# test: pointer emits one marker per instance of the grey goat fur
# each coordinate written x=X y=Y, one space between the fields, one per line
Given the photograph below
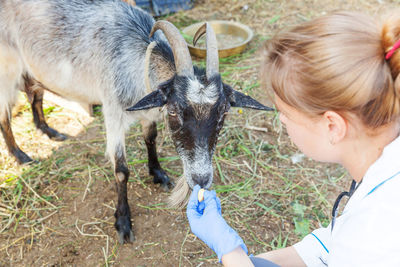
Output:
x=93 y=51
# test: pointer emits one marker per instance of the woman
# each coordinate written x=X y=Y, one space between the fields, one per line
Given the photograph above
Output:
x=336 y=83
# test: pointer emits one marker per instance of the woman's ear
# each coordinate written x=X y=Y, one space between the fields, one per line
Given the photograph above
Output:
x=336 y=126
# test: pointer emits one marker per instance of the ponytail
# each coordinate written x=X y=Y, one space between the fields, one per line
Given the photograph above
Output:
x=390 y=43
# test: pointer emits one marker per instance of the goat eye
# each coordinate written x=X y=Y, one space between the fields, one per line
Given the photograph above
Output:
x=172 y=113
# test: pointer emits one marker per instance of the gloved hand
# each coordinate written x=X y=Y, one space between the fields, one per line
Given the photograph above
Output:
x=206 y=223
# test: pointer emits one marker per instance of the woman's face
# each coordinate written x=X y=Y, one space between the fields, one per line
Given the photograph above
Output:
x=308 y=134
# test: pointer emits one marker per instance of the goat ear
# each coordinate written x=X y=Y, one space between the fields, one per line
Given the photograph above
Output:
x=238 y=99
x=154 y=99
x=157 y=98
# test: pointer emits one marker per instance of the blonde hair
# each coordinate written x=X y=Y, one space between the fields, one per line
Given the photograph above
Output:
x=337 y=62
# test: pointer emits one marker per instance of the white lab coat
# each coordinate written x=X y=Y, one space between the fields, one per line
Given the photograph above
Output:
x=368 y=231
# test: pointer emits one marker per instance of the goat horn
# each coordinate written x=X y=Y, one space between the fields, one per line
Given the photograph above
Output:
x=183 y=61
x=199 y=33
x=212 y=66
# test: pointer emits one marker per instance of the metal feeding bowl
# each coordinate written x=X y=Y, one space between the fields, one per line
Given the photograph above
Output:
x=232 y=38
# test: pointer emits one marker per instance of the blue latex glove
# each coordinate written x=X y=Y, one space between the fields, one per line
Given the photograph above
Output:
x=206 y=223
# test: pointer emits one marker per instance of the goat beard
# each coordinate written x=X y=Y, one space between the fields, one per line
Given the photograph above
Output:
x=180 y=194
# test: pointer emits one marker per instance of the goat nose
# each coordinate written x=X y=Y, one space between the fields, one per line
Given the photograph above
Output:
x=201 y=180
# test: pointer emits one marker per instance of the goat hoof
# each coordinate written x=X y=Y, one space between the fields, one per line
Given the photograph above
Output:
x=23 y=158
x=53 y=134
x=124 y=229
x=168 y=186
x=160 y=177
x=59 y=137
x=122 y=238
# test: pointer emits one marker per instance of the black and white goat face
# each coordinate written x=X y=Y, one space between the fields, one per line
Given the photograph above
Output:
x=197 y=102
x=196 y=115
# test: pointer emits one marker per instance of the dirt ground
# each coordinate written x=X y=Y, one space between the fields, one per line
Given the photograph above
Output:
x=59 y=212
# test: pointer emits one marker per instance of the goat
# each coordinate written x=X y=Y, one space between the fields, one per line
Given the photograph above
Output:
x=95 y=52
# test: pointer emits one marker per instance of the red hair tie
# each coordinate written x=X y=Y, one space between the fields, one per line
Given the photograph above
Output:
x=393 y=49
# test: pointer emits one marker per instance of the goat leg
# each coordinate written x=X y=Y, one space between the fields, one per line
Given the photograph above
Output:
x=12 y=146
x=122 y=214
x=159 y=175
x=35 y=96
